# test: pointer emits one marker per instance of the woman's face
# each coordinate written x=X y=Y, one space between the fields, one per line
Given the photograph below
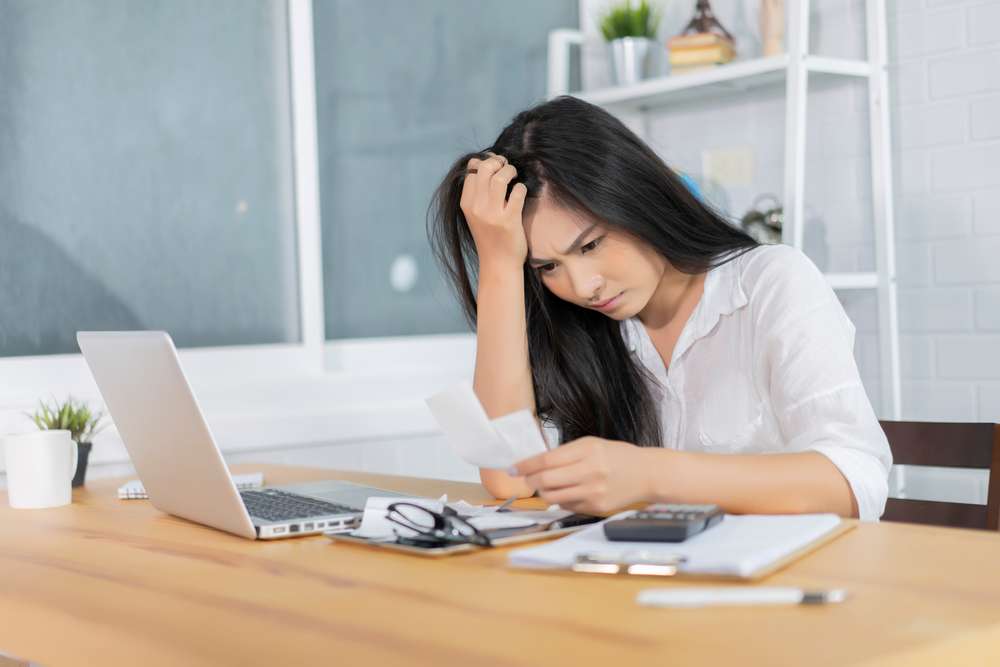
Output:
x=581 y=261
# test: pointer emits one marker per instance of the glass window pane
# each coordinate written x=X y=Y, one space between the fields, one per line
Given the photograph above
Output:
x=402 y=90
x=145 y=172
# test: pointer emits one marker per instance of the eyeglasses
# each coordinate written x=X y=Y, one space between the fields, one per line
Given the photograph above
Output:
x=430 y=527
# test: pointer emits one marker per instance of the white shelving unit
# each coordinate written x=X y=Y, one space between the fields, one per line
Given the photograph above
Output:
x=794 y=69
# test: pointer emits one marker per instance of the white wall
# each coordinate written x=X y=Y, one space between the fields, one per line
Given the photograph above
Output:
x=947 y=115
x=945 y=111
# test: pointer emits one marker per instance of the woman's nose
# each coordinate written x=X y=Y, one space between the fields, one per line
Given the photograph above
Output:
x=587 y=286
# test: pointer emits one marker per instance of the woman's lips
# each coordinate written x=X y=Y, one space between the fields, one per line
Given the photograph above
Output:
x=610 y=303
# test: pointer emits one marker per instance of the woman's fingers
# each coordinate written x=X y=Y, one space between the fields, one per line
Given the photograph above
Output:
x=563 y=455
x=515 y=204
x=485 y=199
x=558 y=478
x=485 y=170
x=484 y=203
x=469 y=184
x=499 y=182
x=567 y=497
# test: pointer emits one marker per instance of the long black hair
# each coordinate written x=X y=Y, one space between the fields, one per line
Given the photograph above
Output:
x=587 y=161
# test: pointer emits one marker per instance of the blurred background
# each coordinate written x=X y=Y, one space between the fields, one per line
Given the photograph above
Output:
x=253 y=177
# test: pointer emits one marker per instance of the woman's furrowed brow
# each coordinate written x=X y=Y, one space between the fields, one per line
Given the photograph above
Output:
x=576 y=244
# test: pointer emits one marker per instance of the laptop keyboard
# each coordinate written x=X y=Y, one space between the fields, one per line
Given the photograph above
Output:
x=275 y=505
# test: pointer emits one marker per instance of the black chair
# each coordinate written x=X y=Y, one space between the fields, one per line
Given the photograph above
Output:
x=951 y=445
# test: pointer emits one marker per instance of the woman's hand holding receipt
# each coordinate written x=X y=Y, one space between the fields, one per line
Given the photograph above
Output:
x=590 y=475
x=491 y=444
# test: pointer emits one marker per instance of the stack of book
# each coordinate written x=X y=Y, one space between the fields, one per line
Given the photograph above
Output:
x=700 y=50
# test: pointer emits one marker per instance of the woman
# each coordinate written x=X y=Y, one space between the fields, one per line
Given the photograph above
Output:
x=674 y=358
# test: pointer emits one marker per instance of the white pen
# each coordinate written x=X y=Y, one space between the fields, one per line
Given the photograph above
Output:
x=715 y=596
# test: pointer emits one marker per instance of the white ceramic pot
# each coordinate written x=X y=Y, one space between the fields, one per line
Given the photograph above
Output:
x=40 y=468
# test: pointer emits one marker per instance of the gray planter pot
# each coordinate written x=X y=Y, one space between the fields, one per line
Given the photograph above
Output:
x=632 y=59
x=83 y=449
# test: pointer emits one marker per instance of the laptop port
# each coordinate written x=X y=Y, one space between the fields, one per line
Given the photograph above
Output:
x=307 y=526
x=278 y=529
x=294 y=528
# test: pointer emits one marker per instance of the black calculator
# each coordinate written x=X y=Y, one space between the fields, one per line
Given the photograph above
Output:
x=663 y=523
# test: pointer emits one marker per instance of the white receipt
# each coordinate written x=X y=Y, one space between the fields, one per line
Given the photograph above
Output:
x=499 y=443
x=375 y=523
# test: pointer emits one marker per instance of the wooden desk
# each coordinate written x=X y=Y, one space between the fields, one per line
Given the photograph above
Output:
x=114 y=582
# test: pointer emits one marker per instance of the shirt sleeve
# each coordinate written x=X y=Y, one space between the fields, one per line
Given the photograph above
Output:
x=816 y=392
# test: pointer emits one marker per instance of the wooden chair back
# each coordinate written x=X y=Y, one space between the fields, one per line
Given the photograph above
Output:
x=952 y=445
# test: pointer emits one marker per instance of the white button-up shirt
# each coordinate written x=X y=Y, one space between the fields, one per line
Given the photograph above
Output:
x=765 y=364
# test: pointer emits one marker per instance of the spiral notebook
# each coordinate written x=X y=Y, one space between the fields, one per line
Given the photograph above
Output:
x=134 y=490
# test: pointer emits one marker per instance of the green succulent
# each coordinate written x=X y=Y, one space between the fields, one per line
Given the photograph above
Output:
x=70 y=415
x=622 y=20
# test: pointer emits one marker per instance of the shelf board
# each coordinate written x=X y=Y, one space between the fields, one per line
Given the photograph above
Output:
x=852 y=280
x=733 y=77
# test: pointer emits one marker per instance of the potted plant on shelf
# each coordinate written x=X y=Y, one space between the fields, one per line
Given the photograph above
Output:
x=75 y=417
x=631 y=36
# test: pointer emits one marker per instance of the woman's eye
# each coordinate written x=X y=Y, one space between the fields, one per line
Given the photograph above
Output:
x=590 y=246
x=546 y=268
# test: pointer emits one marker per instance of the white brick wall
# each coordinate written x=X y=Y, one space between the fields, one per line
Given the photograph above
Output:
x=988 y=309
x=970 y=260
x=964 y=74
x=946 y=108
x=986 y=212
x=945 y=111
x=986 y=118
x=984 y=24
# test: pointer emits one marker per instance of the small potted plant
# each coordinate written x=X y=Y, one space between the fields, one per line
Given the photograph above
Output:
x=75 y=417
x=631 y=35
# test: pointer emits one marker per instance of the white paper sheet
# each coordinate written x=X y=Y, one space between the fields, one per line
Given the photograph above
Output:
x=499 y=443
x=501 y=520
x=375 y=525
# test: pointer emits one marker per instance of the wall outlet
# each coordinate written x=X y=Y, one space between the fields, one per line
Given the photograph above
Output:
x=728 y=166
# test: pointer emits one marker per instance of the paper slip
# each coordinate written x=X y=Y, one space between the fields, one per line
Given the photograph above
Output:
x=499 y=521
x=499 y=443
x=740 y=545
x=134 y=490
x=486 y=517
x=375 y=524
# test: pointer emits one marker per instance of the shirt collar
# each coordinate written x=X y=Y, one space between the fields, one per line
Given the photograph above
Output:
x=723 y=295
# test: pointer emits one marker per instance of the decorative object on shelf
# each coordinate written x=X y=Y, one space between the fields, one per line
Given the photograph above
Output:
x=772 y=27
x=703 y=43
x=75 y=417
x=631 y=37
x=764 y=225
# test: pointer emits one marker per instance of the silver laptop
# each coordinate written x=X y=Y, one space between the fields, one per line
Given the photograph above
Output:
x=178 y=461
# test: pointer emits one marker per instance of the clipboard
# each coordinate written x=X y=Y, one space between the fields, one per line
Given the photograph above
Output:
x=583 y=553
x=499 y=538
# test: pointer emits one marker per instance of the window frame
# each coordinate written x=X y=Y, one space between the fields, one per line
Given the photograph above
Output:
x=414 y=360
x=313 y=353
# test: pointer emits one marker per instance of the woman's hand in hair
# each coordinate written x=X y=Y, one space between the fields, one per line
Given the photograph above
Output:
x=494 y=220
x=590 y=475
